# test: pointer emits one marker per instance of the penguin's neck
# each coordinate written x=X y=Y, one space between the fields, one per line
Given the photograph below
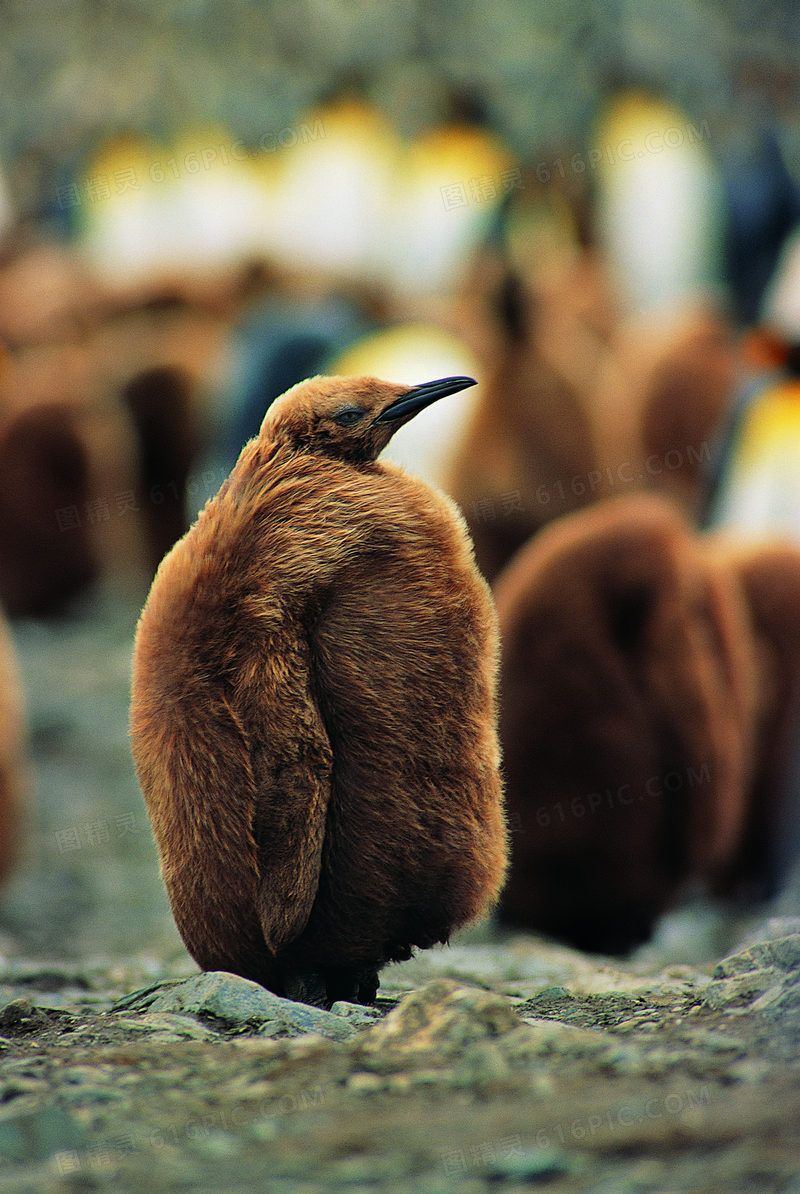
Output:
x=297 y=519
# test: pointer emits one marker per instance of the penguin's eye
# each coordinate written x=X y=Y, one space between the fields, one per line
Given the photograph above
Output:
x=348 y=416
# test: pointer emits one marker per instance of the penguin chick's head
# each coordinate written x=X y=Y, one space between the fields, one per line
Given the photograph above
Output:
x=352 y=418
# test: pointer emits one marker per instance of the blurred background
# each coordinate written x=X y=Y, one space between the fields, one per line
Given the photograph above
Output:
x=591 y=208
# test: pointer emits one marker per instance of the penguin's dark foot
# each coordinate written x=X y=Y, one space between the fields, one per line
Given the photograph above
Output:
x=353 y=986
x=341 y=984
x=306 y=987
x=368 y=987
x=334 y=984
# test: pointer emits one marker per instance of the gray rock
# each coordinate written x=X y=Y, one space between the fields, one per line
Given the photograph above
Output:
x=216 y=1145
x=528 y=1165
x=442 y=1018
x=750 y=1071
x=762 y=977
x=782 y=1000
x=781 y=953
x=87 y=1085
x=89 y=1096
x=167 y=1026
x=20 y=1086
x=356 y=1013
x=552 y=1038
x=234 y=1002
x=786 y=952
x=553 y=993
x=591 y=1010
x=20 y=1015
x=745 y=961
x=741 y=989
x=362 y=1082
x=479 y=1041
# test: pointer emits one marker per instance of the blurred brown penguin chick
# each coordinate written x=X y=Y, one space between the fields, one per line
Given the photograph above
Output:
x=313 y=705
x=769 y=574
x=528 y=455
x=664 y=391
x=13 y=739
x=160 y=403
x=47 y=555
x=628 y=690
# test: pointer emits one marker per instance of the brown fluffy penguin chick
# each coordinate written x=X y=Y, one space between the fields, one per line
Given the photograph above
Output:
x=13 y=750
x=769 y=574
x=313 y=705
x=628 y=691
x=46 y=471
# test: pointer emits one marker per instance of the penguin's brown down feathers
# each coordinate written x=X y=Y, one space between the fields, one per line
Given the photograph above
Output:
x=13 y=750
x=313 y=707
x=629 y=693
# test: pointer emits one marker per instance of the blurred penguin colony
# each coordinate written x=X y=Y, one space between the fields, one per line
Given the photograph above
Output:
x=628 y=465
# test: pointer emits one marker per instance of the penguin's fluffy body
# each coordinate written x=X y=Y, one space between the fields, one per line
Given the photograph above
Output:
x=313 y=707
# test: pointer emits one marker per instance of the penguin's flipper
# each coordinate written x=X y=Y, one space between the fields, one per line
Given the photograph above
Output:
x=289 y=820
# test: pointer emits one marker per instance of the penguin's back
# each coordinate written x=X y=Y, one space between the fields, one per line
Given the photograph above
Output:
x=404 y=655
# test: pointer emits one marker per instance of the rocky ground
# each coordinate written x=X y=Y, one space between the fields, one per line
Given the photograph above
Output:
x=498 y=1062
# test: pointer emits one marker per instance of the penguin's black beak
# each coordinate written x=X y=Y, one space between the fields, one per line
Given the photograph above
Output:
x=421 y=396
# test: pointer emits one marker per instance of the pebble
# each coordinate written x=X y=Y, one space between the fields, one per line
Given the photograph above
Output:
x=482 y=1067
x=448 y=1037
x=750 y=1071
x=15 y=1088
x=528 y=1165
x=89 y=1095
x=21 y=1015
x=362 y=1082
x=549 y=1037
x=356 y=1013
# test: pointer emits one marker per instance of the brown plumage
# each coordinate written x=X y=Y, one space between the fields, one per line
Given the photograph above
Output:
x=769 y=575
x=663 y=393
x=528 y=449
x=13 y=750
x=629 y=685
x=46 y=474
x=313 y=717
x=160 y=404
x=578 y=406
